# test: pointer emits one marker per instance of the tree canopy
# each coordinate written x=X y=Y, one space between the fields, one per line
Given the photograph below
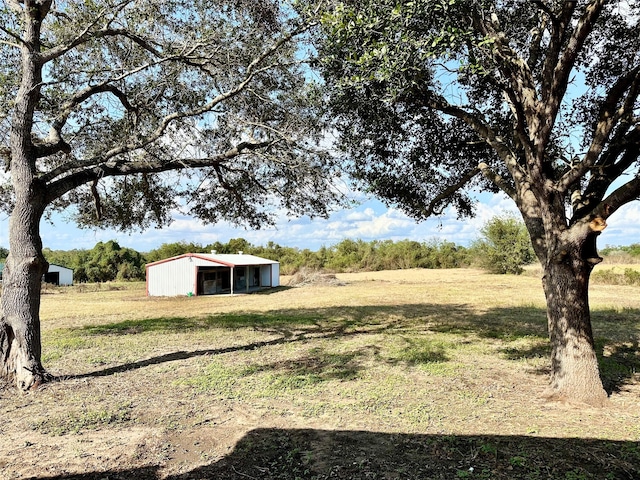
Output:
x=148 y=108
x=435 y=99
x=428 y=94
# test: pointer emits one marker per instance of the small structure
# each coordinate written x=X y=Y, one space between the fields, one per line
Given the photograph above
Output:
x=56 y=275
x=209 y=274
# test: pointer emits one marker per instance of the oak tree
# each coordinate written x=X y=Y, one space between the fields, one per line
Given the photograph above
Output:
x=436 y=99
x=122 y=112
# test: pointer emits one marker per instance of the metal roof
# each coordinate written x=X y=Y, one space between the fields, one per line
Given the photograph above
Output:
x=228 y=259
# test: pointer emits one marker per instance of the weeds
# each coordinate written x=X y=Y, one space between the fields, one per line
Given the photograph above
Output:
x=630 y=276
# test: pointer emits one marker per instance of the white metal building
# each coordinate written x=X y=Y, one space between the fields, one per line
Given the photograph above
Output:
x=208 y=274
x=58 y=275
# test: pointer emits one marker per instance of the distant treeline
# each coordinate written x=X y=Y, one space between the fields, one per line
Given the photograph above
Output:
x=108 y=261
x=630 y=252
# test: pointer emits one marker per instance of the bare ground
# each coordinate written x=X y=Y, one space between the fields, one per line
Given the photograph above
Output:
x=322 y=398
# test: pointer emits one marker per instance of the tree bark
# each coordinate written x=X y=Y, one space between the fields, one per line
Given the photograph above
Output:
x=20 y=347
x=20 y=344
x=575 y=374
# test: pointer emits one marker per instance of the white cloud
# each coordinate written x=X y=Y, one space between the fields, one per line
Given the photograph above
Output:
x=369 y=224
x=353 y=216
x=623 y=227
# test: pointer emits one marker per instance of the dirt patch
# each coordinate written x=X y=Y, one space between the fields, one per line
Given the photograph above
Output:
x=275 y=453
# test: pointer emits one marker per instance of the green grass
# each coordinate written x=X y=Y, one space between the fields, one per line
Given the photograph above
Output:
x=216 y=378
x=421 y=350
x=182 y=324
x=75 y=422
x=432 y=338
x=407 y=374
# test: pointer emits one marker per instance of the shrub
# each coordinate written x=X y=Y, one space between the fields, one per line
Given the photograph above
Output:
x=505 y=246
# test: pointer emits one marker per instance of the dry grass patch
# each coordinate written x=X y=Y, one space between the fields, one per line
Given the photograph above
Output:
x=403 y=374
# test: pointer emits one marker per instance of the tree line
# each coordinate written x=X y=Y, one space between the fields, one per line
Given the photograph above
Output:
x=503 y=247
x=109 y=261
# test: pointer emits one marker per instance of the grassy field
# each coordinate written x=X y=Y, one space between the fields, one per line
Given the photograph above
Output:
x=414 y=374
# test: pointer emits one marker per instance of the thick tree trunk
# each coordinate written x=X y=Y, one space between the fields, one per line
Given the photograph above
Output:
x=20 y=347
x=575 y=375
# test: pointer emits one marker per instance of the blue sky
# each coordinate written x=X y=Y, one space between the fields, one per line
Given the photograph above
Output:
x=371 y=220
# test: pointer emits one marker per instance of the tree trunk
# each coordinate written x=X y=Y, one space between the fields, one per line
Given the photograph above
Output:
x=575 y=375
x=20 y=347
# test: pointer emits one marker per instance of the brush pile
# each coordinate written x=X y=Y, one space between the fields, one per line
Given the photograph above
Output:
x=307 y=276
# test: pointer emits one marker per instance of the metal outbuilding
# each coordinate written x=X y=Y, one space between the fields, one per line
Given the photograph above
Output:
x=56 y=275
x=209 y=274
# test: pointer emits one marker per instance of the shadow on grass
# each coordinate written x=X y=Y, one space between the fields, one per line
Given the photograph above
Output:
x=267 y=454
x=617 y=333
x=182 y=324
x=184 y=355
x=315 y=367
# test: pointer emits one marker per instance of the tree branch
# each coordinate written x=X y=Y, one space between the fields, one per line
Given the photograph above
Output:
x=434 y=207
x=603 y=176
x=580 y=34
x=54 y=142
x=519 y=88
x=15 y=5
x=12 y=35
x=558 y=32
x=556 y=80
x=628 y=192
x=542 y=6
x=497 y=180
x=51 y=145
x=252 y=70
x=96 y=199
x=92 y=172
x=480 y=127
x=84 y=36
x=484 y=132
x=626 y=150
x=536 y=40
x=610 y=115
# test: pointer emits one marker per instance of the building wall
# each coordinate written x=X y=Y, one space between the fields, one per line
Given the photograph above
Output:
x=178 y=276
x=265 y=275
x=172 y=278
x=275 y=275
x=65 y=274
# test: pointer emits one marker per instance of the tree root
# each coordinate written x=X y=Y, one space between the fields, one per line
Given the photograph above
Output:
x=37 y=377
